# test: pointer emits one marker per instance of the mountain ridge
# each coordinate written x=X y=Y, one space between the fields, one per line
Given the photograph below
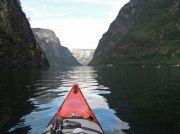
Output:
x=57 y=54
x=18 y=47
x=144 y=32
x=84 y=56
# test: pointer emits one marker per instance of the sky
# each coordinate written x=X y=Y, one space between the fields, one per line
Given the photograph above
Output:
x=77 y=23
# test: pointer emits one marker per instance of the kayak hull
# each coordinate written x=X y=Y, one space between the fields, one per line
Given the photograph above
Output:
x=76 y=114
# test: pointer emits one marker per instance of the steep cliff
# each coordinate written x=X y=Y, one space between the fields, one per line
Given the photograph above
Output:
x=144 y=32
x=18 y=47
x=84 y=56
x=55 y=52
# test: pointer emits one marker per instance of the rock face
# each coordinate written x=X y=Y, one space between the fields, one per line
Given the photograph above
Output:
x=18 y=47
x=55 y=52
x=144 y=32
x=84 y=56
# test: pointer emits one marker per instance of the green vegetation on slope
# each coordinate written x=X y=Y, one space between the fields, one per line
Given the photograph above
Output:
x=152 y=39
x=18 y=47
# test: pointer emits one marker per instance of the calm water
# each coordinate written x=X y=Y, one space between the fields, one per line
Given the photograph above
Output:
x=126 y=100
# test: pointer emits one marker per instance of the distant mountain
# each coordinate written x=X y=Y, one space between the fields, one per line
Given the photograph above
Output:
x=84 y=56
x=18 y=47
x=144 y=32
x=55 y=52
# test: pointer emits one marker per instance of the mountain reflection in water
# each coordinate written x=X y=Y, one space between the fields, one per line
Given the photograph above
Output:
x=125 y=100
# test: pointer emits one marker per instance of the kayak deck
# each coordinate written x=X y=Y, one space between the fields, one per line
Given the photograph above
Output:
x=74 y=116
x=71 y=126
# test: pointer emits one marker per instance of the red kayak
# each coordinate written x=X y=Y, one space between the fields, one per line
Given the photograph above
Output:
x=74 y=116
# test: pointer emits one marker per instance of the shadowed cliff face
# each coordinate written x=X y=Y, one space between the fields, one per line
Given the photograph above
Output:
x=144 y=32
x=18 y=47
x=56 y=54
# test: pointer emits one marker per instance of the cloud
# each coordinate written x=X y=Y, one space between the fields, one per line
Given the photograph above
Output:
x=84 y=33
x=39 y=12
x=92 y=1
x=116 y=6
x=108 y=2
x=78 y=23
x=72 y=8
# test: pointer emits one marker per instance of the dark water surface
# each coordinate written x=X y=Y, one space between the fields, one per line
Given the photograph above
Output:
x=125 y=100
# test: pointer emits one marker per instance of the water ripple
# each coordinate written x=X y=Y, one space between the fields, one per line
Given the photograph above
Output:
x=51 y=88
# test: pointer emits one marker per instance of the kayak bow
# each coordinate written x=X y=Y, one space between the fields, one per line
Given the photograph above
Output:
x=74 y=116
